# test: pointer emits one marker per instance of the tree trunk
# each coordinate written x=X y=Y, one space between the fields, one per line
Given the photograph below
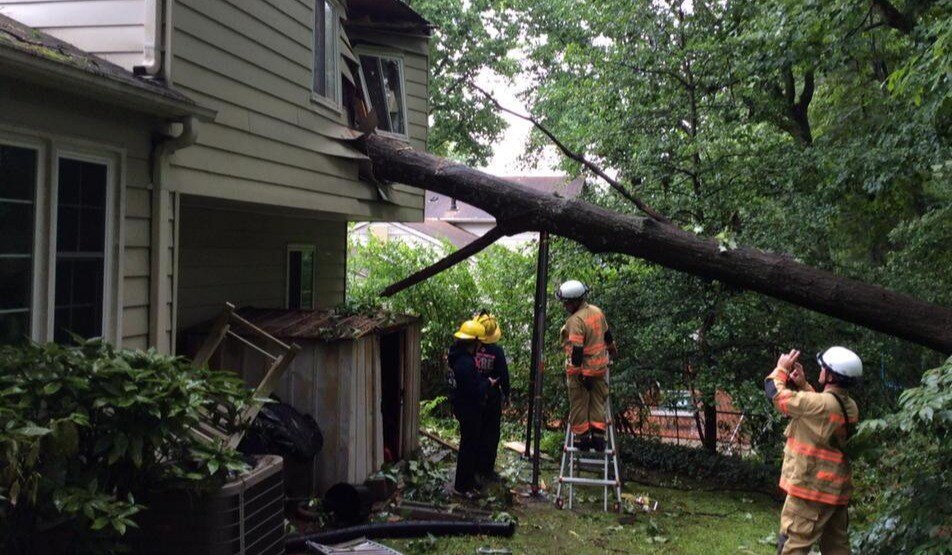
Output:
x=710 y=426
x=518 y=209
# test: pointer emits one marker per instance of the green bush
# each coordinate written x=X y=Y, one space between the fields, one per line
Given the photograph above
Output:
x=698 y=463
x=86 y=429
x=904 y=493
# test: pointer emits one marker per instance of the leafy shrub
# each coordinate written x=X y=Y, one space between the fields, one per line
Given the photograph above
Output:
x=904 y=500
x=85 y=430
x=697 y=463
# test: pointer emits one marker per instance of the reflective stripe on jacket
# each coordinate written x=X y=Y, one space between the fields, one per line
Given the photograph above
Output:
x=814 y=466
x=586 y=328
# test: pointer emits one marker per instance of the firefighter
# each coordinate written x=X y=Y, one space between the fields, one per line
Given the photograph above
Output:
x=588 y=343
x=491 y=362
x=816 y=471
x=468 y=395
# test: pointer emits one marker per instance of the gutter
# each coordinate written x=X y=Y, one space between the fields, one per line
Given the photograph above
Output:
x=152 y=46
x=161 y=265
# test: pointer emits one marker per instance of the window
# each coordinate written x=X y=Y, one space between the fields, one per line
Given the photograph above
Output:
x=80 y=249
x=326 y=52
x=18 y=178
x=301 y=276
x=384 y=84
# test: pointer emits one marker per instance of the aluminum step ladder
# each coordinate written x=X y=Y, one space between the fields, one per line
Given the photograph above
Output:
x=605 y=464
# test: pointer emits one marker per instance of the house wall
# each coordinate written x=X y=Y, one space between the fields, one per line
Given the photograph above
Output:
x=112 y=29
x=61 y=121
x=270 y=143
x=239 y=256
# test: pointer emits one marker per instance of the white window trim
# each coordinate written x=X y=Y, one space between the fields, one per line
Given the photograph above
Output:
x=110 y=309
x=50 y=148
x=383 y=53
x=299 y=247
x=337 y=102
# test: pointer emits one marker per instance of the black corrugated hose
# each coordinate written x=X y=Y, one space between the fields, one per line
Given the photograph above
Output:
x=403 y=529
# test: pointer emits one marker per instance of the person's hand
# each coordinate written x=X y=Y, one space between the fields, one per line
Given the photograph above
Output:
x=505 y=403
x=798 y=376
x=788 y=360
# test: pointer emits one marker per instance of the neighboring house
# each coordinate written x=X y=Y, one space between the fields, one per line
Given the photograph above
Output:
x=461 y=223
x=209 y=162
x=161 y=157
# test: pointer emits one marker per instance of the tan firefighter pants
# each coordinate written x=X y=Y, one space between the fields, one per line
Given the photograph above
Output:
x=587 y=405
x=804 y=523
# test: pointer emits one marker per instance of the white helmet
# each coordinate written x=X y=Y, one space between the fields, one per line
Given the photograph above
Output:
x=571 y=290
x=841 y=361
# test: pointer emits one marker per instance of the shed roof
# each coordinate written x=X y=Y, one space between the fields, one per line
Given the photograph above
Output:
x=325 y=325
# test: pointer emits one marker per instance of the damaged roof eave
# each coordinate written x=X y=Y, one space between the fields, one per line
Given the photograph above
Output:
x=22 y=65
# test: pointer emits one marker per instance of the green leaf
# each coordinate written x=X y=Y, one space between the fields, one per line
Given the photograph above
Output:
x=31 y=431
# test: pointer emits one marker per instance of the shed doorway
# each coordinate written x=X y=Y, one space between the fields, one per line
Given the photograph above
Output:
x=392 y=394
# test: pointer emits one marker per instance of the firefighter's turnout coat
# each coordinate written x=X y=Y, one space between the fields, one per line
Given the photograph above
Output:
x=814 y=464
x=586 y=328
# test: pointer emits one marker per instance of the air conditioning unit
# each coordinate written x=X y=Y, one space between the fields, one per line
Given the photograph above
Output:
x=244 y=517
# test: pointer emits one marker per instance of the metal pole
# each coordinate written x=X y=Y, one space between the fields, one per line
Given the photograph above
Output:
x=538 y=347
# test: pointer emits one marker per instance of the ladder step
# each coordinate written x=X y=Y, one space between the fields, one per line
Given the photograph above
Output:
x=598 y=462
x=589 y=481
x=606 y=452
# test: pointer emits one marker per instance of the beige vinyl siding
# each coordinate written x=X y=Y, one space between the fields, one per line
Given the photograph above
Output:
x=270 y=143
x=75 y=122
x=224 y=259
x=112 y=29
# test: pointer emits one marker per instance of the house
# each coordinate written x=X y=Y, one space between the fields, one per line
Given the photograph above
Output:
x=161 y=157
x=212 y=137
x=460 y=223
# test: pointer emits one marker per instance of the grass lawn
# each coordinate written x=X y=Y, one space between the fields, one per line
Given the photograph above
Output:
x=686 y=522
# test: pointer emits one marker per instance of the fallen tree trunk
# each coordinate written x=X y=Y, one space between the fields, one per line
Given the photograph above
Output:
x=519 y=209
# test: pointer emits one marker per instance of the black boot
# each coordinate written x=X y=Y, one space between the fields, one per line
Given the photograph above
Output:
x=598 y=441
x=583 y=442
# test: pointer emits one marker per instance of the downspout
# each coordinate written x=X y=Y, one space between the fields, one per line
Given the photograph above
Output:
x=152 y=45
x=161 y=263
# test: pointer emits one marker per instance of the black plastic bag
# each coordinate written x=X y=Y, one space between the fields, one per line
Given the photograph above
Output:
x=280 y=429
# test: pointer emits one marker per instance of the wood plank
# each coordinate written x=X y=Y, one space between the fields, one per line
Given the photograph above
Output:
x=135 y=262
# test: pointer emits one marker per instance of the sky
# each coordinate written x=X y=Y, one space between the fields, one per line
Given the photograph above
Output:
x=512 y=146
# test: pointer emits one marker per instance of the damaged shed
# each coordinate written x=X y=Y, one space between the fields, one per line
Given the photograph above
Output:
x=357 y=375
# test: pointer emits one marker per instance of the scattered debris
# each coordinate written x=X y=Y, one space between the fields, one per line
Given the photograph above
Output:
x=520 y=447
x=362 y=546
x=439 y=440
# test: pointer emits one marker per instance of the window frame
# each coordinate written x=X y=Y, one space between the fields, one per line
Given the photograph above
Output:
x=302 y=248
x=112 y=225
x=50 y=148
x=334 y=102
x=40 y=199
x=381 y=54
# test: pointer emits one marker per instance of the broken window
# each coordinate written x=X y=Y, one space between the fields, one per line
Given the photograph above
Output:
x=384 y=79
x=18 y=173
x=301 y=276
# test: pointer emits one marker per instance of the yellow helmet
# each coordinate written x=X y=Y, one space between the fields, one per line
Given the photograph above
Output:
x=493 y=332
x=470 y=329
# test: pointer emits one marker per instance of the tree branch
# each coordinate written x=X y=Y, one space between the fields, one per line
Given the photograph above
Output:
x=447 y=262
x=893 y=17
x=618 y=187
